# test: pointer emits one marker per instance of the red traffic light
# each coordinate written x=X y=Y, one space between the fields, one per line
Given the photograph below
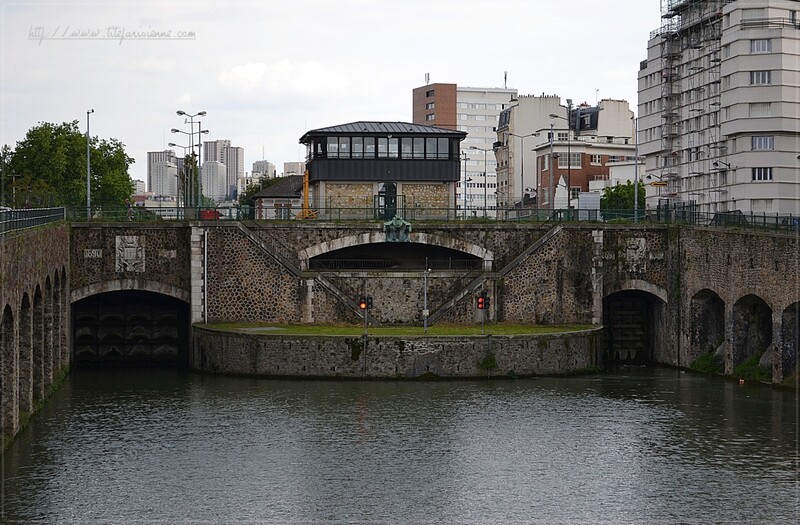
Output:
x=481 y=302
x=362 y=304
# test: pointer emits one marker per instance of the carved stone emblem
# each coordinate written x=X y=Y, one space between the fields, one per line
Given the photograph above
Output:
x=636 y=255
x=130 y=253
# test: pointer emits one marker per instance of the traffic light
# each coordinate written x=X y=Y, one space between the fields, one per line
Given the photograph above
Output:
x=365 y=303
x=486 y=301
x=482 y=301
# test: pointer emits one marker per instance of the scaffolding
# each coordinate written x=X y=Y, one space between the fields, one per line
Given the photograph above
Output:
x=691 y=142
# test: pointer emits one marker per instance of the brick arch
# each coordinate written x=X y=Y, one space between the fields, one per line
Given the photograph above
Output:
x=638 y=284
x=117 y=285
x=375 y=237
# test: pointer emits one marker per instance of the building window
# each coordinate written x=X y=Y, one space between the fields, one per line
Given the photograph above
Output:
x=405 y=148
x=429 y=93
x=430 y=105
x=574 y=160
x=369 y=147
x=761 y=205
x=761 y=45
x=760 y=109
x=761 y=174
x=758 y=78
x=763 y=142
x=562 y=136
x=597 y=159
x=430 y=116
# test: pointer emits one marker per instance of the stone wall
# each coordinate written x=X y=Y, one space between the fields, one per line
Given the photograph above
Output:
x=394 y=357
x=348 y=195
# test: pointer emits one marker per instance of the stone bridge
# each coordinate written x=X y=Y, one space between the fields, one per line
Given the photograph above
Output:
x=664 y=294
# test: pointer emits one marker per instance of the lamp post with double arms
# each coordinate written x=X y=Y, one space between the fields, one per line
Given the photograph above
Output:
x=522 y=164
x=191 y=117
x=88 y=170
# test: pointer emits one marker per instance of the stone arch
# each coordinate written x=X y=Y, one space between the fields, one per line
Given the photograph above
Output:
x=130 y=326
x=378 y=236
x=707 y=327
x=750 y=330
x=118 y=285
x=65 y=351
x=790 y=335
x=58 y=326
x=634 y=324
x=26 y=355
x=38 y=345
x=9 y=415
x=638 y=285
x=49 y=351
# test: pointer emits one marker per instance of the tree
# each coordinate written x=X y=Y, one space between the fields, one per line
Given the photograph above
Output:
x=620 y=198
x=51 y=161
x=264 y=182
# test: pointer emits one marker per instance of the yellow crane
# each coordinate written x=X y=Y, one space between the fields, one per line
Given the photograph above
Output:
x=307 y=212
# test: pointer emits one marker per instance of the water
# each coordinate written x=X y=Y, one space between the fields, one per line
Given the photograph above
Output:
x=639 y=446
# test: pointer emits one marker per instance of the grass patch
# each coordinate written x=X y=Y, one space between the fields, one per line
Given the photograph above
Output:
x=709 y=363
x=750 y=369
x=433 y=331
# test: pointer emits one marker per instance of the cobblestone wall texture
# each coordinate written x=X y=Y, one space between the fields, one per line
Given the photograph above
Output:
x=426 y=195
x=348 y=195
x=394 y=357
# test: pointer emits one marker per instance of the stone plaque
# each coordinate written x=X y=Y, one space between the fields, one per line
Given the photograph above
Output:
x=130 y=253
x=636 y=254
x=93 y=253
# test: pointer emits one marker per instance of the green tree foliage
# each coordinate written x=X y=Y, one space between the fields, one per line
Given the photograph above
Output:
x=51 y=161
x=619 y=198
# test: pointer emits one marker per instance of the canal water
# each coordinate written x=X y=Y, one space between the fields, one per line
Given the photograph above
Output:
x=639 y=446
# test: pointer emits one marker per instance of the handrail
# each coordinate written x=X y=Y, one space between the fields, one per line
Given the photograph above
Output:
x=21 y=219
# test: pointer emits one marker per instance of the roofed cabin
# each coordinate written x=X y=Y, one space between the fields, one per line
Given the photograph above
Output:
x=376 y=170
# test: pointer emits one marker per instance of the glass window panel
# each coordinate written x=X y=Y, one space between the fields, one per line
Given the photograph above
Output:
x=344 y=147
x=333 y=148
x=358 y=148
x=369 y=147
x=419 y=148
x=406 y=148
x=430 y=148
x=443 y=149
x=383 y=147
x=393 y=146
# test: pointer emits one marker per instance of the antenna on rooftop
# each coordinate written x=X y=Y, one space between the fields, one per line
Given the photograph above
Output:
x=427 y=78
x=505 y=79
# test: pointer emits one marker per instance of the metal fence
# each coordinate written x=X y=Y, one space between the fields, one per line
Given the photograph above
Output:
x=21 y=219
x=685 y=214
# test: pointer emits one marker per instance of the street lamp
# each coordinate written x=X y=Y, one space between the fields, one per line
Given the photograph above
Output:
x=522 y=163
x=464 y=186
x=88 y=170
x=191 y=117
x=425 y=311
x=569 y=152
x=484 y=177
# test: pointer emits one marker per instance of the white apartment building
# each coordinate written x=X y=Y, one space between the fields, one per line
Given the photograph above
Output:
x=215 y=150
x=164 y=179
x=537 y=128
x=264 y=167
x=214 y=180
x=719 y=106
x=234 y=164
x=294 y=168
x=154 y=158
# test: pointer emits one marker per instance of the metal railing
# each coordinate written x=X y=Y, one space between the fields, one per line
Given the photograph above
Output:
x=677 y=213
x=22 y=219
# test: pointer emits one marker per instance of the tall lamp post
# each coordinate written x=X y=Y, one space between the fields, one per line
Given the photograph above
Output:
x=464 y=186
x=88 y=170
x=191 y=117
x=198 y=196
x=485 y=177
x=522 y=164
x=180 y=181
x=569 y=152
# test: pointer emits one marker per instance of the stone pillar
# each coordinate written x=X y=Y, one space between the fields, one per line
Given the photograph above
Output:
x=26 y=359
x=308 y=303
x=9 y=377
x=597 y=277
x=49 y=350
x=196 y=274
x=778 y=347
x=38 y=349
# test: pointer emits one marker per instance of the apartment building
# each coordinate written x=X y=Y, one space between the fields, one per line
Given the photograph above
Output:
x=719 y=106
x=475 y=111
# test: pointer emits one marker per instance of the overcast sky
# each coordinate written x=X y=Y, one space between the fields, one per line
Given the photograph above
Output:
x=265 y=72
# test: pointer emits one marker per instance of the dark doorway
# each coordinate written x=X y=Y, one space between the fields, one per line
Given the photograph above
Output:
x=131 y=327
x=629 y=331
x=387 y=200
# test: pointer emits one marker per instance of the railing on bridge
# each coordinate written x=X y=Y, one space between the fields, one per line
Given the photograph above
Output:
x=674 y=214
x=21 y=219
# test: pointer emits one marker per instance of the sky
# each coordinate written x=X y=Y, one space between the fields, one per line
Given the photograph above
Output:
x=267 y=71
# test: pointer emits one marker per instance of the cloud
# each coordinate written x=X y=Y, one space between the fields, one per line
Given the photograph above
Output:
x=285 y=78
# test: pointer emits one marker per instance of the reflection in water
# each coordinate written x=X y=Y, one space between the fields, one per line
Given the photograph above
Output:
x=640 y=446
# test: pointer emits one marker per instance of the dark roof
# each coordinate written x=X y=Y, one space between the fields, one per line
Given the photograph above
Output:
x=289 y=187
x=382 y=128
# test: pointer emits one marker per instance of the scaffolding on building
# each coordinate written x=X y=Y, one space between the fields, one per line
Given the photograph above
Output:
x=692 y=146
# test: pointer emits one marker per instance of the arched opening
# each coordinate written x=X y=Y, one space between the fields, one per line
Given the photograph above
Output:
x=630 y=329
x=131 y=328
x=49 y=351
x=8 y=383
x=38 y=345
x=26 y=355
x=790 y=335
x=707 y=332
x=751 y=335
x=404 y=256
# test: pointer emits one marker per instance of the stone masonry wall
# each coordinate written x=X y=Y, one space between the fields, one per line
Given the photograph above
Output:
x=393 y=357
